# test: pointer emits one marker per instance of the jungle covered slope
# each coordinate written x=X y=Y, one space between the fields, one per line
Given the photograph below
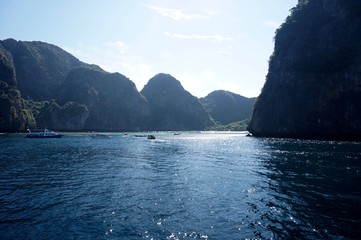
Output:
x=313 y=86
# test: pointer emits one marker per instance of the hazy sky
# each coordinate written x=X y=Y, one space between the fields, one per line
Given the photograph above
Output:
x=206 y=44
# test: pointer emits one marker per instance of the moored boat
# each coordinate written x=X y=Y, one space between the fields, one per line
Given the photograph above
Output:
x=42 y=133
x=150 y=137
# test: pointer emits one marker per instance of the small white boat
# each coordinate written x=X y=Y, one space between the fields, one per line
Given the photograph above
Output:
x=42 y=133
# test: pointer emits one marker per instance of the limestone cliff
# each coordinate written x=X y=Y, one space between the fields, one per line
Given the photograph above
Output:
x=313 y=86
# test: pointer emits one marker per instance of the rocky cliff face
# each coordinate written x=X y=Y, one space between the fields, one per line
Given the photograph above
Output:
x=13 y=113
x=313 y=87
x=172 y=107
x=226 y=107
x=109 y=99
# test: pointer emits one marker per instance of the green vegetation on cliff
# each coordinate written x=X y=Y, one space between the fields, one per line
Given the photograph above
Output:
x=14 y=115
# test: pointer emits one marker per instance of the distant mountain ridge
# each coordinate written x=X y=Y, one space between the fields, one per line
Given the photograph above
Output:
x=42 y=85
x=226 y=107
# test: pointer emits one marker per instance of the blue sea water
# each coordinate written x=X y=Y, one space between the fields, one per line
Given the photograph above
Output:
x=191 y=186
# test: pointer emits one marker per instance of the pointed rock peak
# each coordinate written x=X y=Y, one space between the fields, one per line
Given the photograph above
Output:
x=163 y=81
x=163 y=77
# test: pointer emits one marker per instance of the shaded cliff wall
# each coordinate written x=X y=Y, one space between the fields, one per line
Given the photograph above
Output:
x=313 y=87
